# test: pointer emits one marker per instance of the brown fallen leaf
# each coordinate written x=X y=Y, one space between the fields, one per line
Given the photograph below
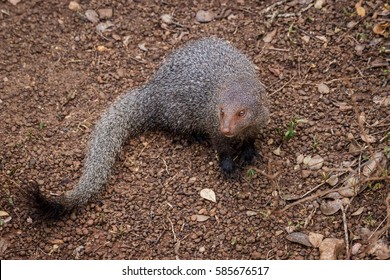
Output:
x=269 y=37
x=368 y=138
x=359 y=9
x=381 y=29
x=372 y=164
x=380 y=249
x=382 y=101
x=358 y=212
x=299 y=237
x=330 y=207
x=208 y=194
x=322 y=88
x=202 y=218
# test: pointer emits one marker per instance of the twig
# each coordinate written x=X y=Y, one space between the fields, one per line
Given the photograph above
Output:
x=172 y=229
x=308 y=34
x=310 y=217
x=313 y=189
x=166 y=166
x=266 y=10
x=279 y=89
x=343 y=210
x=279 y=50
x=312 y=197
x=284 y=15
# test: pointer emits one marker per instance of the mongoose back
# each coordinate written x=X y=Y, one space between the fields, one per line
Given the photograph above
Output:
x=204 y=88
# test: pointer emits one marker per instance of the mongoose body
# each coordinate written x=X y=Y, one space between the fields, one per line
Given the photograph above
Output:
x=205 y=88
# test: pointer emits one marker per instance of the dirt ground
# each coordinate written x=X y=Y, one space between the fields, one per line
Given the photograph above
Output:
x=327 y=75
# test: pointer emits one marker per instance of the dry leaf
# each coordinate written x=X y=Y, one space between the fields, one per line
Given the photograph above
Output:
x=380 y=249
x=382 y=101
x=167 y=18
x=277 y=151
x=379 y=62
x=268 y=38
x=306 y=160
x=322 y=38
x=74 y=6
x=381 y=29
x=333 y=180
x=3 y=214
x=299 y=237
x=142 y=47
x=202 y=218
x=251 y=213
x=322 y=88
x=14 y=2
x=330 y=207
x=318 y=4
x=305 y=38
x=358 y=212
x=333 y=195
x=208 y=194
x=105 y=26
x=359 y=9
x=101 y=48
x=300 y=158
x=92 y=16
x=372 y=164
x=352 y=187
x=355 y=248
x=315 y=162
x=56 y=241
x=3 y=246
x=368 y=138
x=289 y=197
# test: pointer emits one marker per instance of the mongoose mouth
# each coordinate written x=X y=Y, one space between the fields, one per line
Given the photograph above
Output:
x=229 y=134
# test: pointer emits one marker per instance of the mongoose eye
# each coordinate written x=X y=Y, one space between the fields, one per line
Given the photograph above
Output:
x=221 y=112
x=241 y=113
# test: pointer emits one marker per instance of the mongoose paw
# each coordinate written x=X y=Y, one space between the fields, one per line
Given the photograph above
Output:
x=227 y=166
x=248 y=155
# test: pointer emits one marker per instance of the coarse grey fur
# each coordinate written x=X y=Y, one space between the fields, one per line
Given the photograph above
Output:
x=186 y=96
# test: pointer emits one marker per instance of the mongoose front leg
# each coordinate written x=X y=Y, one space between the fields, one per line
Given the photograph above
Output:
x=248 y=151
x=226 y=154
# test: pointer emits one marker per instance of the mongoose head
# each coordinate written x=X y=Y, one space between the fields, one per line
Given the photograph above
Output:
x=242 y=105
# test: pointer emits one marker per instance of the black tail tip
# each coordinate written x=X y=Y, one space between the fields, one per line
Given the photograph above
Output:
x=44 y=208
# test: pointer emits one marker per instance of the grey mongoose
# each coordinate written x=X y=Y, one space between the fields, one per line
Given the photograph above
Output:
x=204 y=88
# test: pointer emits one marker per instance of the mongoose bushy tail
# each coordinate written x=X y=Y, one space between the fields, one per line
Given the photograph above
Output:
x=205 y=88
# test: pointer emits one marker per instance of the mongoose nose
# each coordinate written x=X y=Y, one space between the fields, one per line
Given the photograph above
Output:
x=226 y=131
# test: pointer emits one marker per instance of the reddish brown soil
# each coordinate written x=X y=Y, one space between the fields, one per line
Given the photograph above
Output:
x=56 y=79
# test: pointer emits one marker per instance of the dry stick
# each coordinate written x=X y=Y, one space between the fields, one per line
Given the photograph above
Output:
x=310 y=217
x=312 y=197
x=173 y=230
x=282 y=86
x=343 y=210
x=266 y=10
x=363 y=131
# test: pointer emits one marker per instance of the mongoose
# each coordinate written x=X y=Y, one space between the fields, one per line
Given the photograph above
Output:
x=205 y=88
